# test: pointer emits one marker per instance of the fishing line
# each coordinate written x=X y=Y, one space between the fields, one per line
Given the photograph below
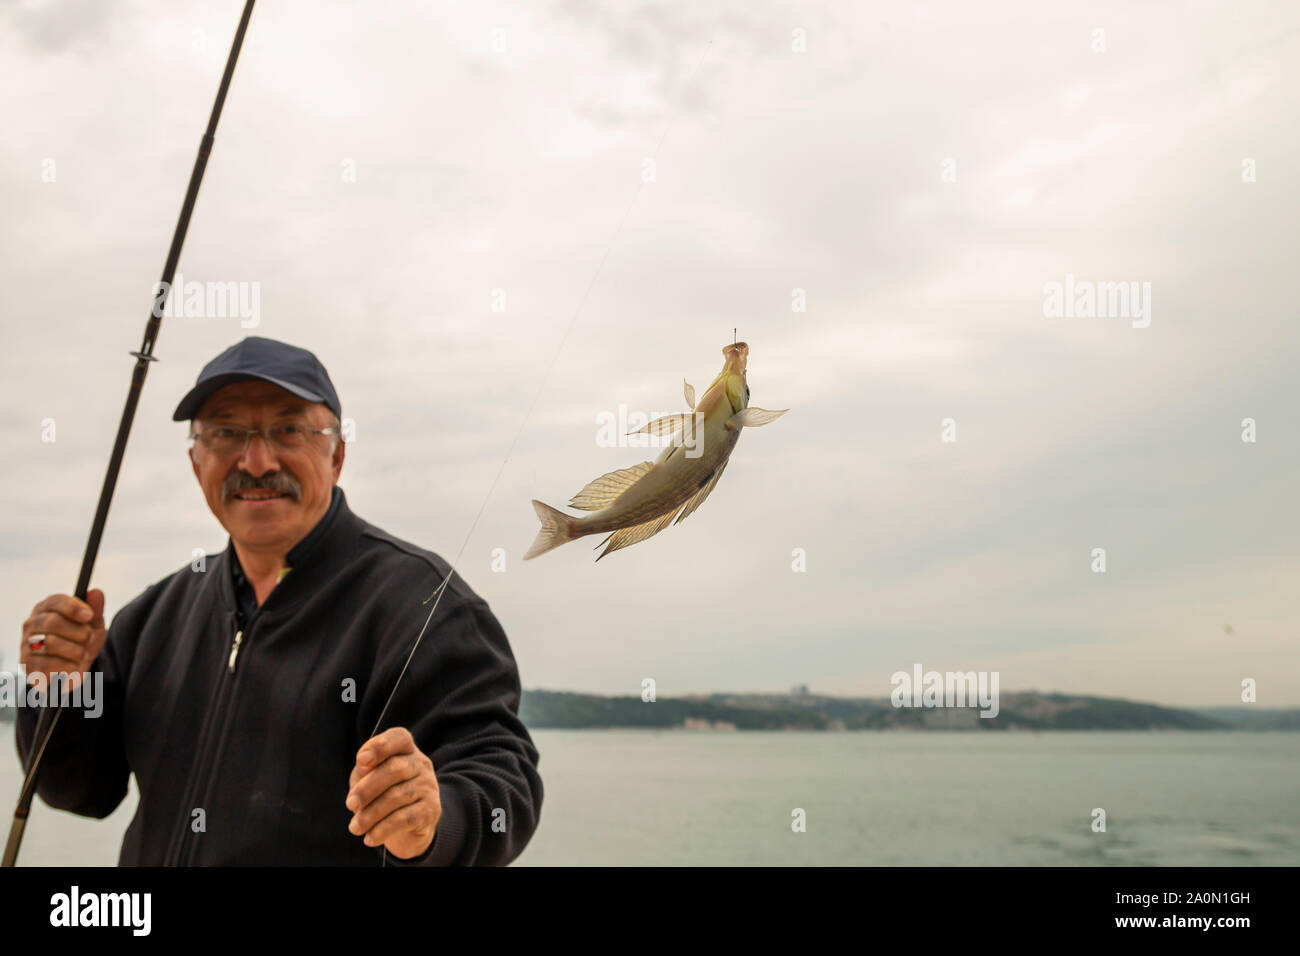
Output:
x=438 y=592
x=441 y=589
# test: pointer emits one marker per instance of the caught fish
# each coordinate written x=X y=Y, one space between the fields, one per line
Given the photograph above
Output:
x=633 y=504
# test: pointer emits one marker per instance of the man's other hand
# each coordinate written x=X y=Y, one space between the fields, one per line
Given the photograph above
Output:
x=393 y=794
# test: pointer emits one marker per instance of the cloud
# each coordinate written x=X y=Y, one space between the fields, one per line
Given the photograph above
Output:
x=515 y=175
x=50 y=27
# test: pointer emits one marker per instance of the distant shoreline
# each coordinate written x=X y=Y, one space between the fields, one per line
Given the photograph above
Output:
x=1018 y=711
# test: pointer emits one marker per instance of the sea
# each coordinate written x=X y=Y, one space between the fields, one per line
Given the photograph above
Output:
x=717 y=798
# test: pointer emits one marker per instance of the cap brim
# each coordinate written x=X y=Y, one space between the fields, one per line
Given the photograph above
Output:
x=194 y=399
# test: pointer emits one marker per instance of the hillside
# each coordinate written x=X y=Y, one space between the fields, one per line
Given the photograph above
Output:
x=1019 y=711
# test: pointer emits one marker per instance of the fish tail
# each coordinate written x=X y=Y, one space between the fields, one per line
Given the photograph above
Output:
x=557 y=529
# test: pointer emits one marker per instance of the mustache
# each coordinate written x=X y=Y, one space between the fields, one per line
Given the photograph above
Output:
x=279 y=481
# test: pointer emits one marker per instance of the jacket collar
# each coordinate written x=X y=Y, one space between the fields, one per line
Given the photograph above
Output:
x=326 y=547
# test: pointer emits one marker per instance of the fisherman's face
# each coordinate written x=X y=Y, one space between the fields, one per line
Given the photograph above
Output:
x=302 y=478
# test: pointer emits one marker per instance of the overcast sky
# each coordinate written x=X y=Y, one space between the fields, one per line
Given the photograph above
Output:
x=920 y=171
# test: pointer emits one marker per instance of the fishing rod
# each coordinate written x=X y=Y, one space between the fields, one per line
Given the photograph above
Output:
x=49 y=718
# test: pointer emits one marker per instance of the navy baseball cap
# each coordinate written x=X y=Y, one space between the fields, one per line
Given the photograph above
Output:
x=295 y=370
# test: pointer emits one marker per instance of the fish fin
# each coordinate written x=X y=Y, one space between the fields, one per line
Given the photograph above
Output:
x=690 y=394
x=557 y=529
x=603 y=491
x=668 y=425
x=637 y=532
x=699 y=496
x=753 y=416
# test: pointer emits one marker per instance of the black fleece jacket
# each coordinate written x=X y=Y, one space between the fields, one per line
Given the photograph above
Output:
x=265 y=750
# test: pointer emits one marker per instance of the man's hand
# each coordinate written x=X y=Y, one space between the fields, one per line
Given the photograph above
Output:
x=394 y=794
x=68 y=636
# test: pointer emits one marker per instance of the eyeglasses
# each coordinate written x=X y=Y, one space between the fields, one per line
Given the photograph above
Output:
x=226 y=440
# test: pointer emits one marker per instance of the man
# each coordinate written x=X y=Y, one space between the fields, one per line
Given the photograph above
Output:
x=243 y=692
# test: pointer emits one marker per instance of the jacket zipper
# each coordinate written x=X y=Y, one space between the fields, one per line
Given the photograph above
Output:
x=225 y=690
x=176 y=848
x=234 y=650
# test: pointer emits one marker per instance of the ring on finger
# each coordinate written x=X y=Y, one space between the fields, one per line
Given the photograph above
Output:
x=37 y=642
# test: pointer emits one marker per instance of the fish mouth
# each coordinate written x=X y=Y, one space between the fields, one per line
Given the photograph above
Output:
x=736 y=356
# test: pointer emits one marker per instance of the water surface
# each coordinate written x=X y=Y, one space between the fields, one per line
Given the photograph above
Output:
x=670 y=797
